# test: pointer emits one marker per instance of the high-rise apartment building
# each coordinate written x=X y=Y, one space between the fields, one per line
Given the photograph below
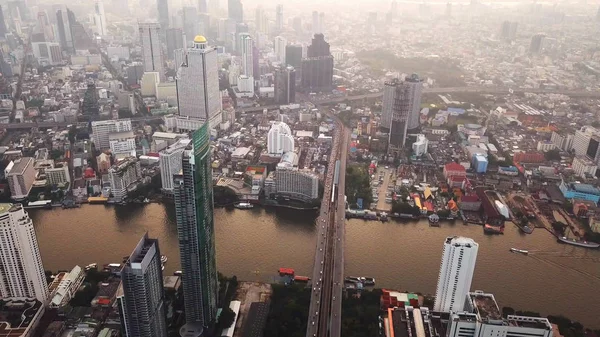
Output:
x=143 y=307
x=21 y=269
x=193 y=191
x=235 y=10
x=170 y=163
x=401 y=107
x=102 y=129
x=508 y=30
x=123 y=175
x=21 y=177
x=285 y=85
x=151 y=49
x=585 y=142
x=317 y=67
x=163 y=13
x=247 y=54
x=280 y=139
x=279 y=18
x=198 y=94
x=100 y=18
x=261 y=20
x=537 y=43
x=280 y=48
x=72 y=35
x=293 y=56
x=456 y=273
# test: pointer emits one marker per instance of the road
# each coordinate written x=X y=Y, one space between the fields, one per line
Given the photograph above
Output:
x=17 y=126
x=382 y=190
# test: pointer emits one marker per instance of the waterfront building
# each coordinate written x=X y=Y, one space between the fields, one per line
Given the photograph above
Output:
x=170 y=160
x=317 y=67
x=198 y=95
x=482 y=318
x=57 y=175
x=22 y=272
x=400 y=109
x=64 y=287
x=193 y=191
x=296 y=184
x=102 y=129
x=151 y=49
x=21 y=177
x=285 y=85
x=456 y=273
x=123 y=176
x=280 y=139
x=143 y=307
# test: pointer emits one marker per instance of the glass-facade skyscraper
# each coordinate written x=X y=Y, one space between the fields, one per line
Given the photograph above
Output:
x=193 y=193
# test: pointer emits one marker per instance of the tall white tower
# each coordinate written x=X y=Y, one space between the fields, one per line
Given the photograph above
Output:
x=280 y=139
x=151 y=49
x=247 y=45
x=198 y=94
x=280 y=43
x=21 y=272
x=100 y=18
x=456 y=273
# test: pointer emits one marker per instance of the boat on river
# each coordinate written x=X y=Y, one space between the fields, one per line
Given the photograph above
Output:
x=434 y=220
x=580 y=243
x=163 y=259
x=243 y=205
x=522 y=251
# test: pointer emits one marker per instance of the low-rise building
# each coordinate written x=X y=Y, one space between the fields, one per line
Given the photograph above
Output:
x=454 y=170
x=420 y=146
x=579 y=191
x=58 y=175
x=122 y=143
x=470 y=203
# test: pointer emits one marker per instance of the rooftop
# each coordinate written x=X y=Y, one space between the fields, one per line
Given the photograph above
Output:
x=121 y=135
x=20 y=165
x=585 y=188
x=485 y=306
x=5 y=207
x=16 y=314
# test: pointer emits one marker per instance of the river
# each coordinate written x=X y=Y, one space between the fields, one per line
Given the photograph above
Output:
x=252 y=244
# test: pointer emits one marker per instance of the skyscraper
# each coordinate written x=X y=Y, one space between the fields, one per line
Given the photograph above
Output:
x=400 y=111
x=198 y=94
x=261 y=21
x=193 y=191
x=174 y=42
x=537 y=43
x=143 y=307
x=3 y=29
x=21 y=269
x=285 y=85
x=280 y=139
x=456 y=273
x=151 y=49
x=280 y=44
x=508 y=30
x=247 y=52
x=316 y=24
x=202 y=6
x=100 y=18
x=279 y=18
x=191 y=21
x=293 y=55
x=163 y=13
x=235 y=10
x=317 y=68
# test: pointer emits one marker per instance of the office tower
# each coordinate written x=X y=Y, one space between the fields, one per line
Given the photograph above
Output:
x=235 y=10
x=280 y=44
x=456 y=273
x=102 y=129
x=21 y=176
x=247 y=52
x=280 y=139
x=241 y=31
x=198 y=94
x=151 y=49
x=400 y=109
x=202 y=6
x=100 y=18
x=191 y=22
x=279 y=18
x=143 y=307
x=508 y=31
x=322 y=23
x=261 y=20
x=293 y=55
x=174 y=42
x=21 y=269
x=537 y=43
x=193 y=191
x=3 y=29
x=163 y=13
x=317 y=68
x=316 y=27
x=72 y=35
x=213 y=8
x=44 y=27
x=448 y=9
x=285 y=85
x=47 y=53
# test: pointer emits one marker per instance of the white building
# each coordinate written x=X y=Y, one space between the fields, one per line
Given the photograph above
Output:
x=22 y=273
x=151 y=48
x=47 y=53
x=482 y=318
x=100 y=18
x=456 y=273
x=170 y=163
x=58 y=175
x=583 y=166
x=65 y=286
x=562 y=142
x=279 y=44
x=247 y=46
x=280 y=139
x=21 y=177
x=545 y=146
x=245 y=84
x=122 y=143
x=420 y=146
x=102 y=129
x=198 y=95
x=123 y=176
x=582 y=138
x=297 y=184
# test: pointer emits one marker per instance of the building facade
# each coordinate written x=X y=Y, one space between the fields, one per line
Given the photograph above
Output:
x=123 y=175
x=193 y=191
x=21 y=268
x=285 y=85
x=170 y=160
x=143 y=306
x=21 y=177
x=151 y=49
x=57 y=175
x=317 y=67
x=296 y=184
x=280 y=46
x=122 y=143
x=583 y=166
x=102 y=129
x=198 y=95
x=400 y=110
x=280 y=139
x=456 y=273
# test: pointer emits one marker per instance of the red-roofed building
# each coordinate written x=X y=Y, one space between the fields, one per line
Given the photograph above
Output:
x=528 y=157
x=457 y=181
x=470 y=203
x=454 y=170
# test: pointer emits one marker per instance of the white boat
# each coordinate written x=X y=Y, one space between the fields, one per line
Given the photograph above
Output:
x=91 y=266
x=502 y=209
x=522 y=251
x=243 y=205
x=163 y=258
x=162 y=267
